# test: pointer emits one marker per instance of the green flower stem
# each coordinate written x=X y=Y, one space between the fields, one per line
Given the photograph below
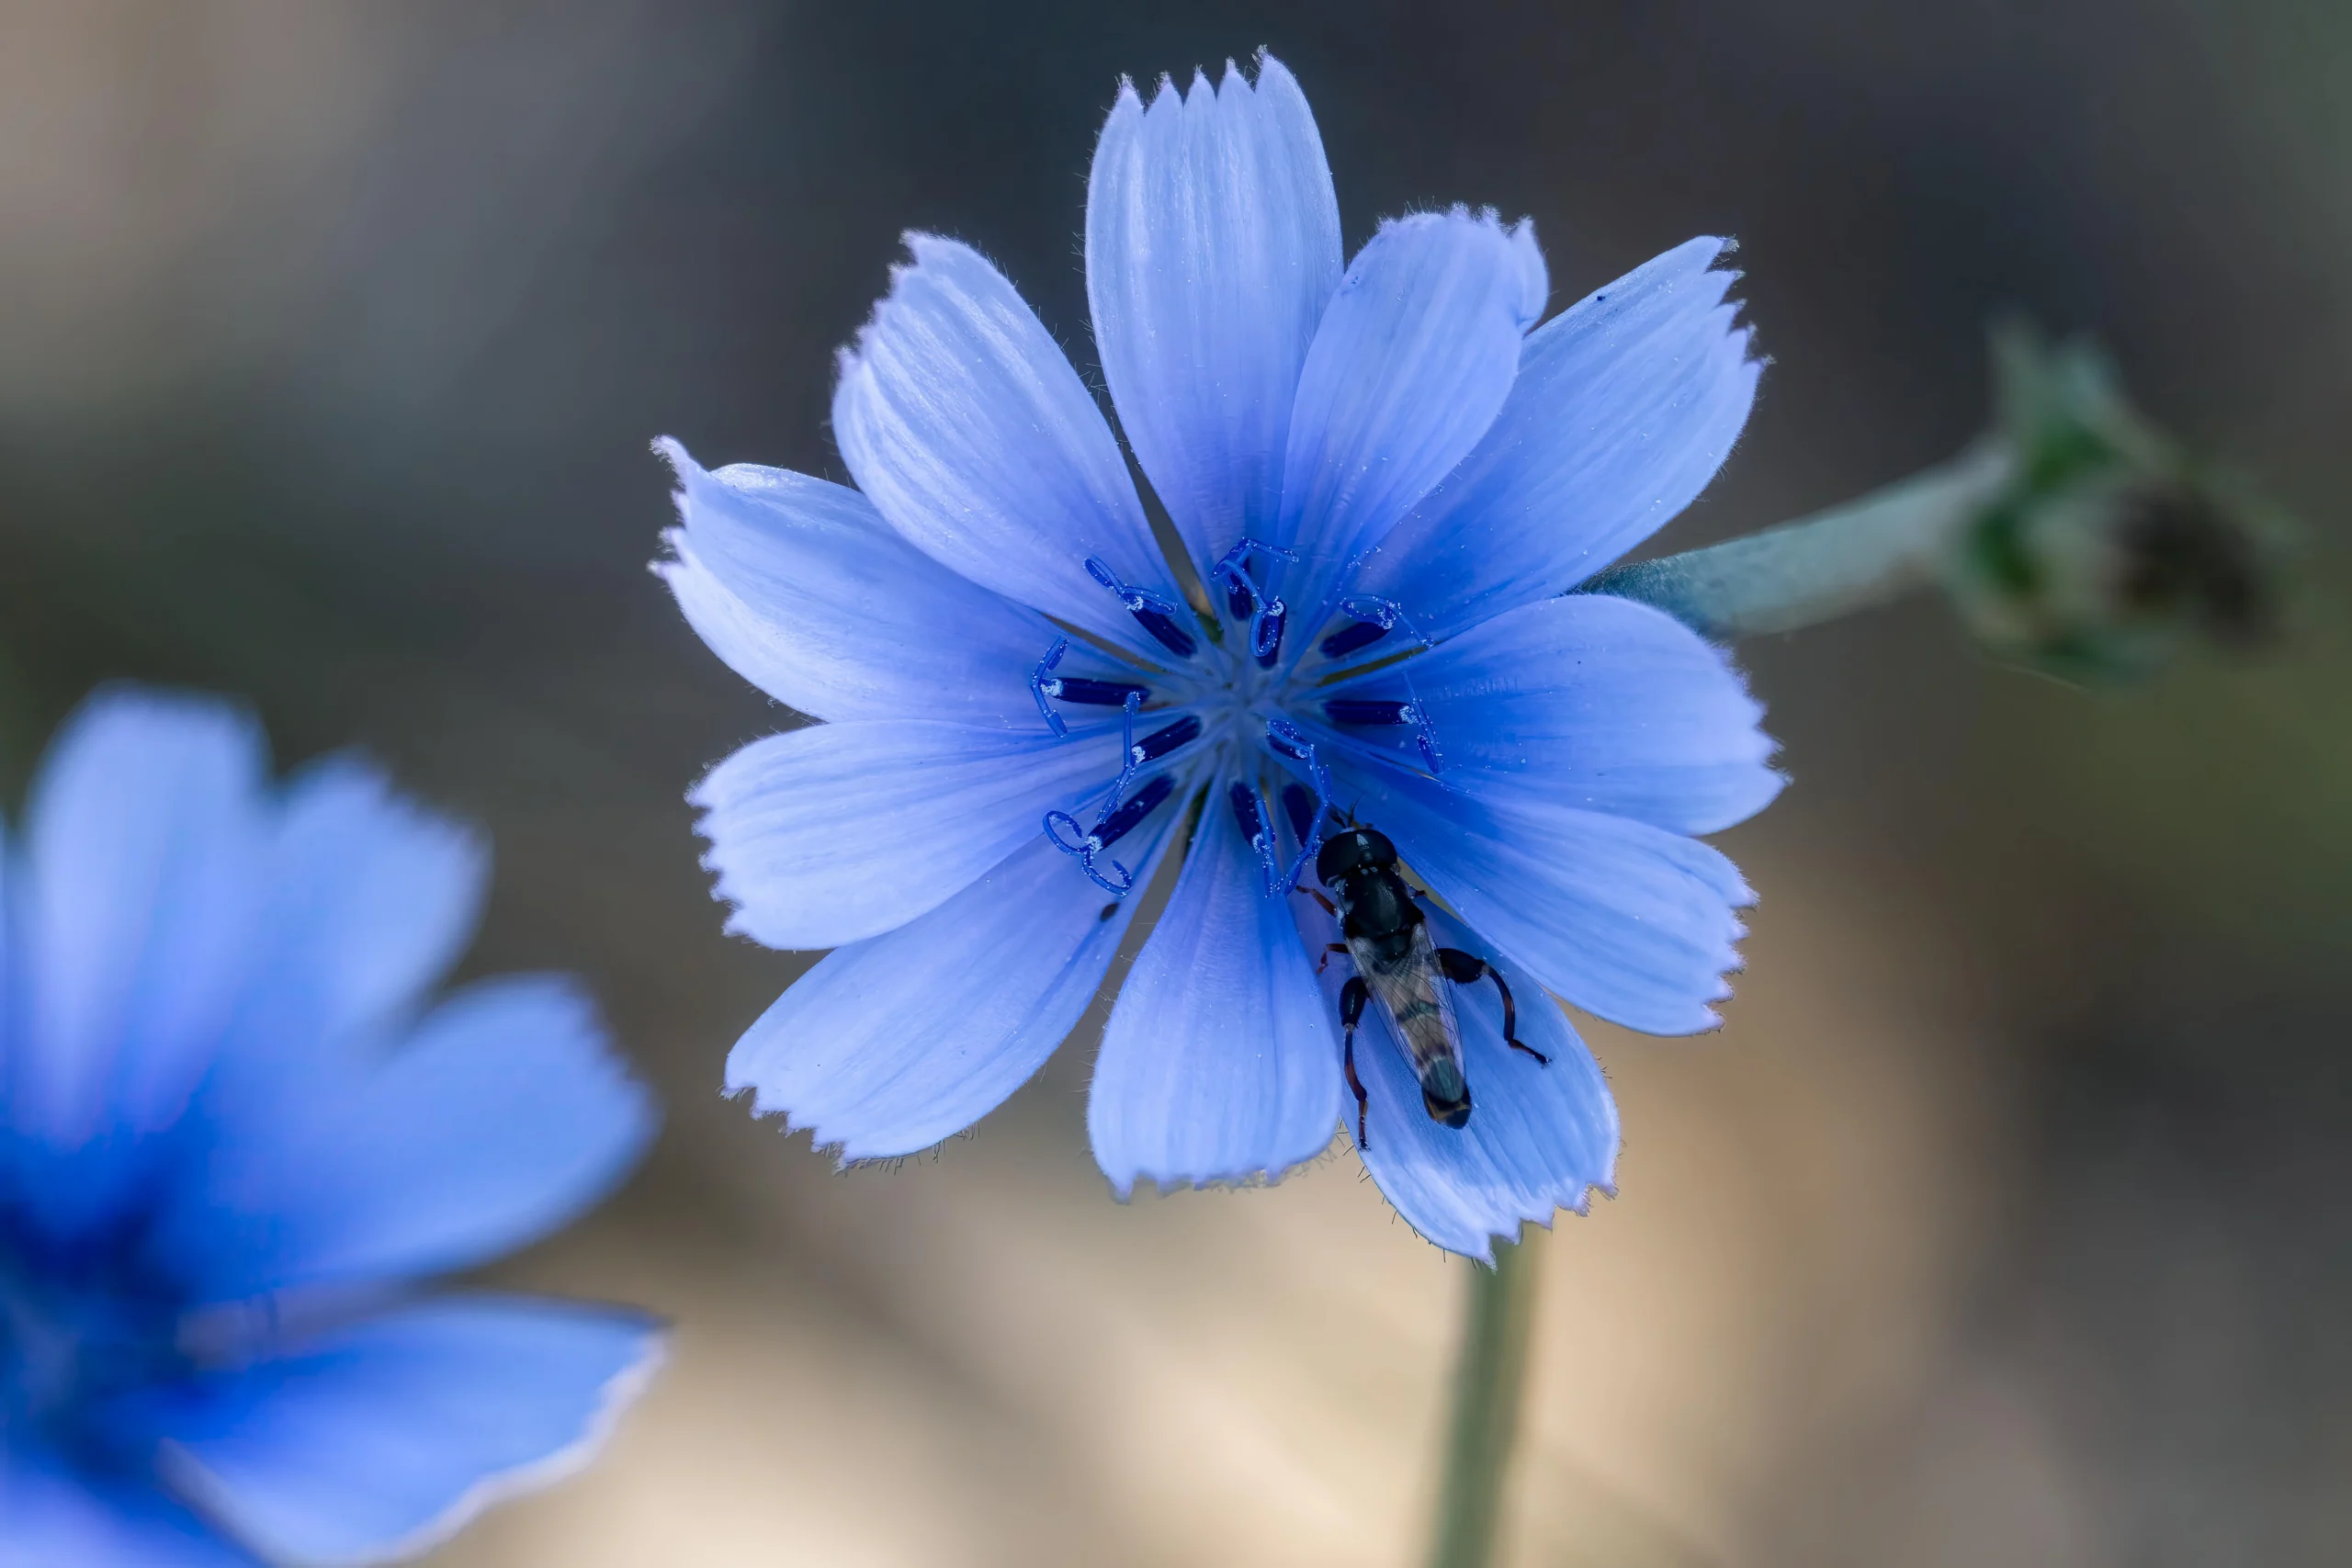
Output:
x=1890 y=543
x=1489 y=1380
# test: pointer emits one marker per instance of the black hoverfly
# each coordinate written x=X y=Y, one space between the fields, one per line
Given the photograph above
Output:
x=1400 y=965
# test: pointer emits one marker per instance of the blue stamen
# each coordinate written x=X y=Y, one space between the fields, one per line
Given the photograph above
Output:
x=1384 y=615
x=1080 y=689
x=1086 y=846
x=1425 y=738
x=1374 y=618
x=1286 y=739
x=1300 y=807
x=1123 y=822
x=1363 y=710
x=1266 y=634
x=1161 y=625
x=1128 y=761
x=1151 y=612
x=1366 y=712
x=1116 y=818
x=1243 y=596
x=1159 y=742
x=1095 y=694
x=1037 y=680
x=1361 y=634
x=1250 y=817
x=1080 y=843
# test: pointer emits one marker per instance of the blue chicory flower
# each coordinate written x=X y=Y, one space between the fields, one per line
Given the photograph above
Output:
x=233 y=1137
x=1383 y=484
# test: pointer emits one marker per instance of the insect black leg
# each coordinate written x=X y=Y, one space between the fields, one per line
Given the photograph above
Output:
x=1465 y=968
x=1329 y=907
x=1324 y=962
x=1352 y=995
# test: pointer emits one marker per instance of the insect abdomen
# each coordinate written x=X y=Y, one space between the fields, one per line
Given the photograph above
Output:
x=1411 y=992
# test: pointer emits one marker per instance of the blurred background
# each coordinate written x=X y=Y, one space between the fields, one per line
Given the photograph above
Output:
x=2006 y=1221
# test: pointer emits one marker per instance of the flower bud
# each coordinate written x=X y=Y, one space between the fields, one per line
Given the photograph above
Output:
x=2106 y=548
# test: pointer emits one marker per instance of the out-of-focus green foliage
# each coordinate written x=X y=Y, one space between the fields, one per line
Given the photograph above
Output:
x=2110 y=546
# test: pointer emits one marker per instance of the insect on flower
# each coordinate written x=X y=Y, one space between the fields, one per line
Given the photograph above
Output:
x=1384 y=474
x=1396 y=965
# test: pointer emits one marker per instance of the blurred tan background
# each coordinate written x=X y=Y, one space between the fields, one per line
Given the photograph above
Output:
x=2006 y=1221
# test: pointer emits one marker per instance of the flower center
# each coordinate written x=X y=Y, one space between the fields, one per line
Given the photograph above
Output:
x=73 y=1332
x=1226 y=713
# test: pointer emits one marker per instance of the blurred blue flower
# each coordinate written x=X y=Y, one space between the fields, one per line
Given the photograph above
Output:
x=1382 y=483
x=234 y=1134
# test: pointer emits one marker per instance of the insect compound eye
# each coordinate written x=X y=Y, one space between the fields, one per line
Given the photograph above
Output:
x=1340 y=858
x=1353 y=852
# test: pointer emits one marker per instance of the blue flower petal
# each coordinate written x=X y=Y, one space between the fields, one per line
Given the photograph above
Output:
x=1626 y=404
x=1623 y=920
x=48 y=1519
x=371 y=900
x=503 y=1116
x=1588 y=701
x=965 y=426
x=11 y=981
x=146 y=865
x=1212 y=248
x=831 y=834
x=1540 y=1136
x=381 y=1439
x=806 y=592
x=891 y=1044
x=1219 y=1063
x=1413 y=359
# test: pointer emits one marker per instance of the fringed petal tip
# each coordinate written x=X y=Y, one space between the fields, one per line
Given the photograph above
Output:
x=1691 y=269
x=921 y=246
x=1533 y=278
x=686 y=477
x=1180 y=1095
x=704 y=810
x=1249 y=1179
x=1234 y=79
x=836 y=1146
x=1580 y=1206
x=1246 y=1180
x=740 y=1085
